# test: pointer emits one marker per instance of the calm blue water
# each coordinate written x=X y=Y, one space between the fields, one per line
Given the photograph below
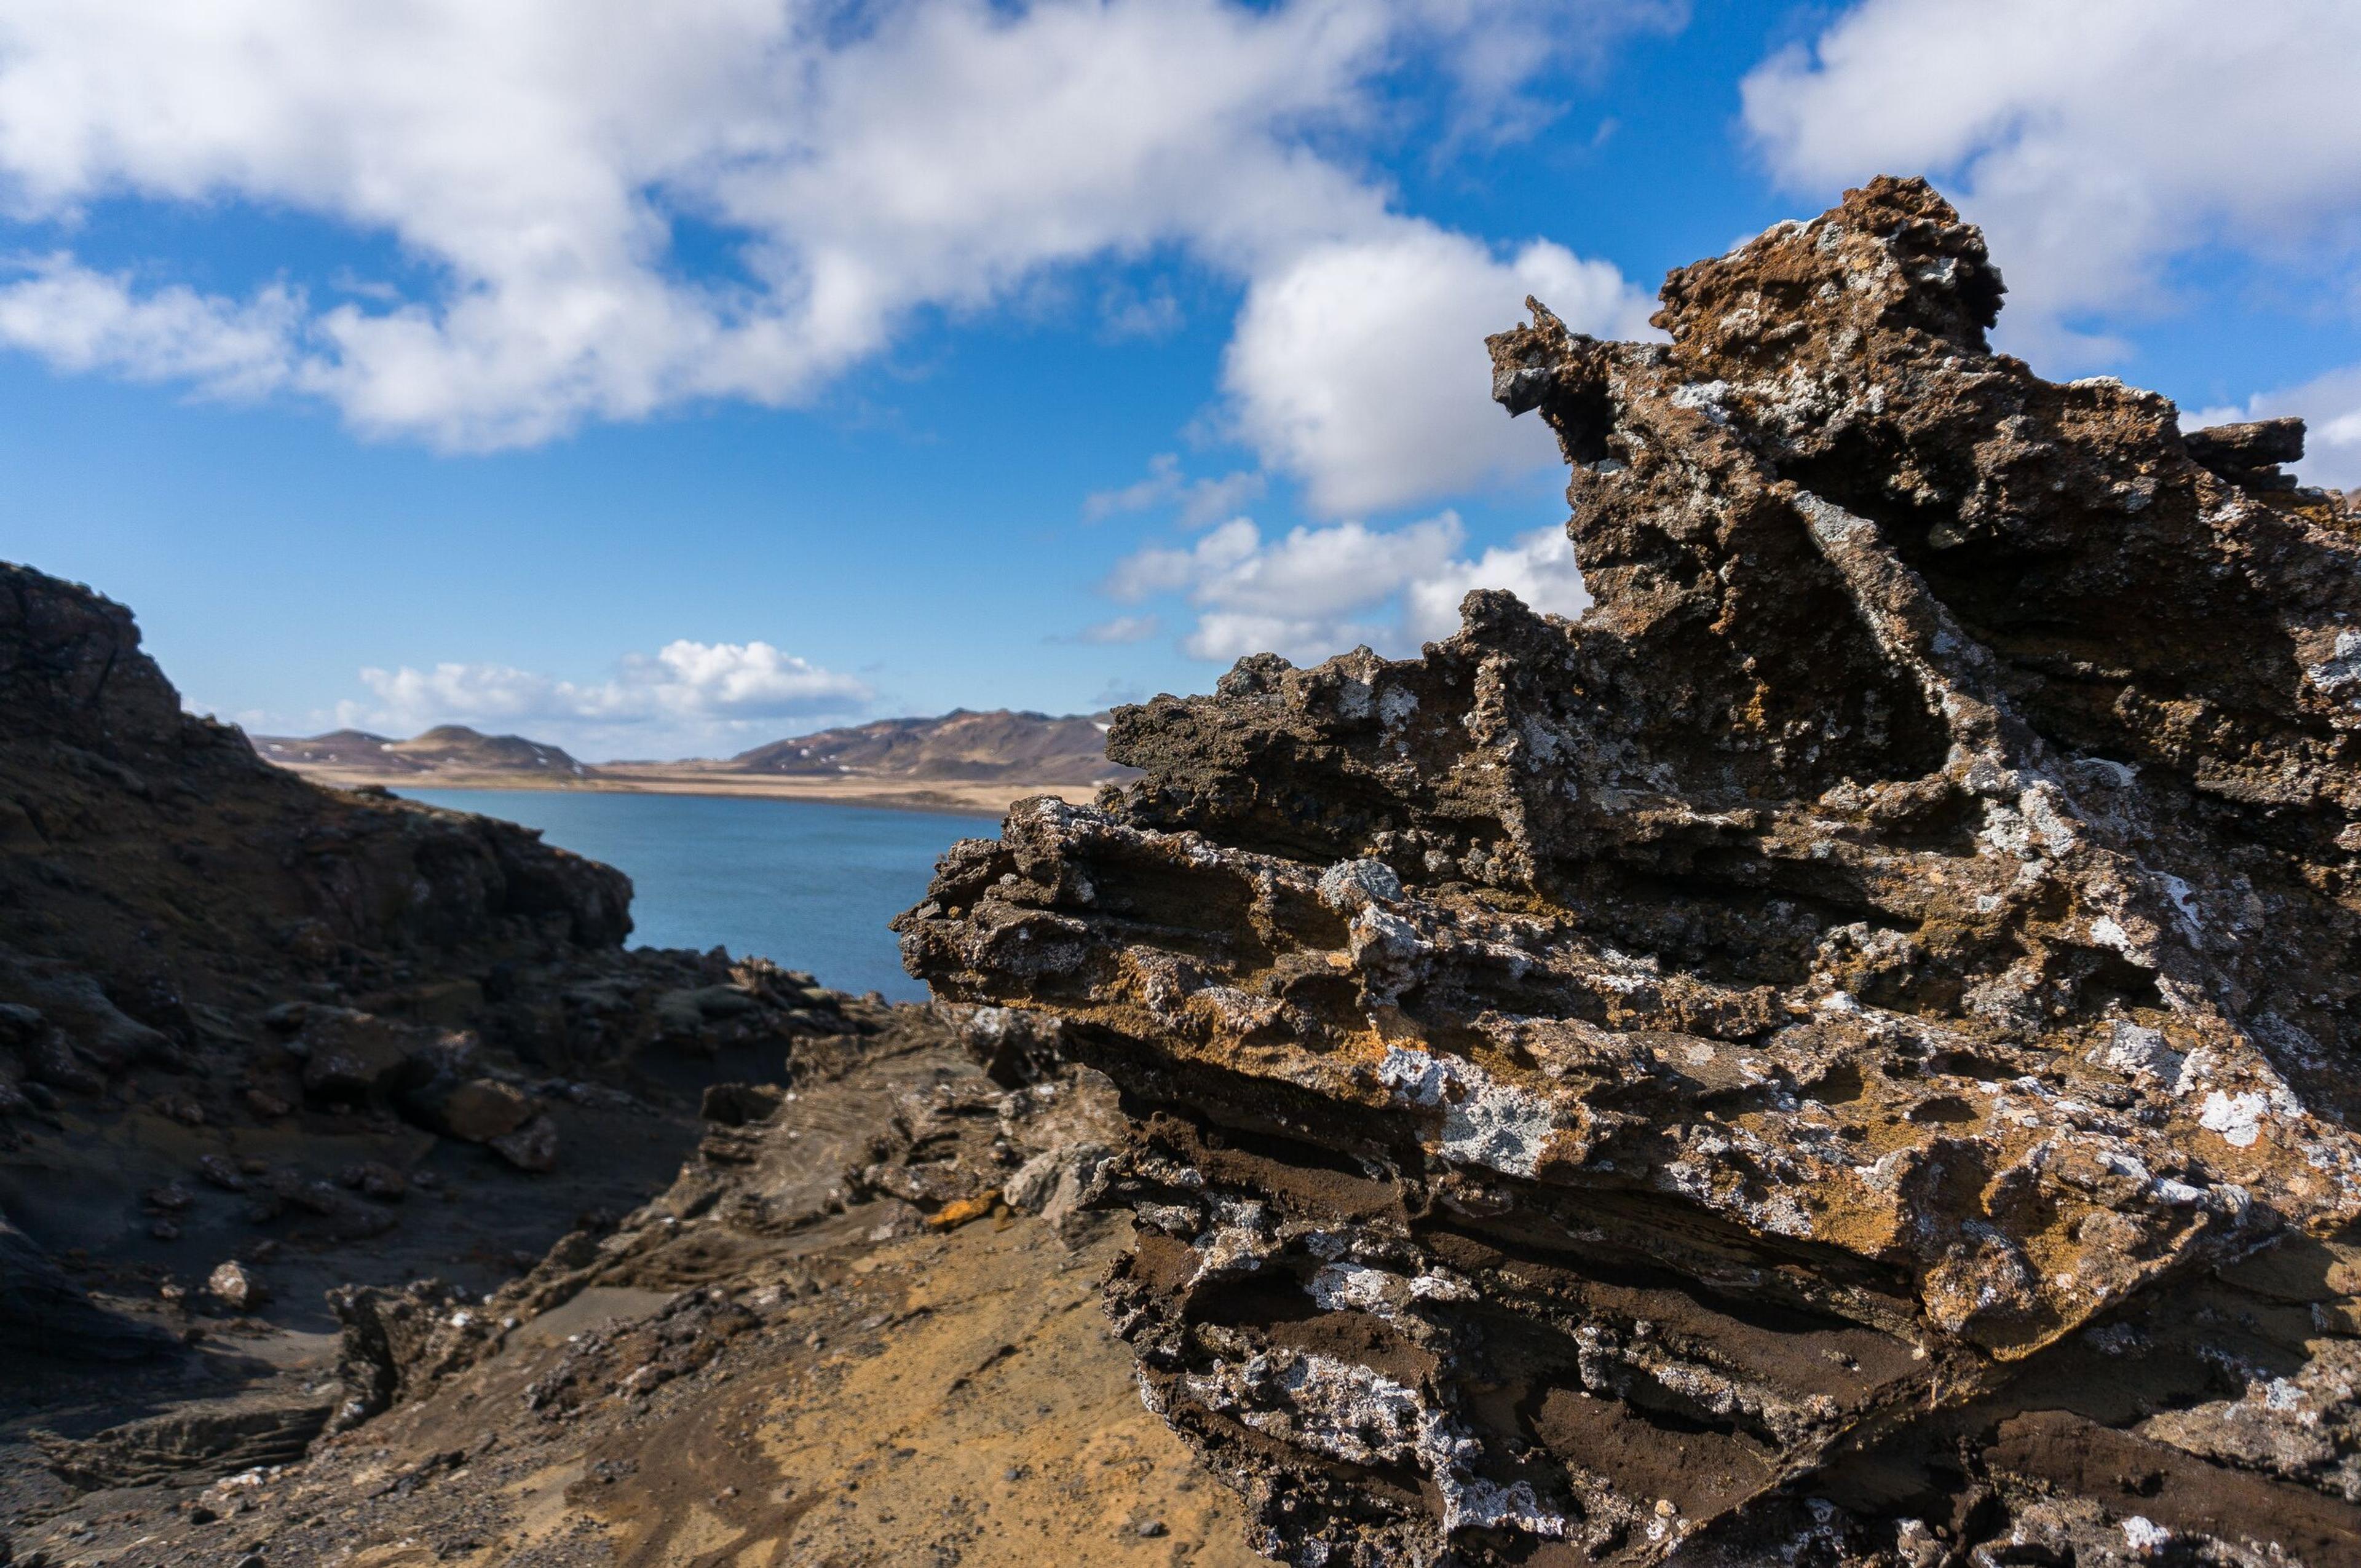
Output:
x=804 y=883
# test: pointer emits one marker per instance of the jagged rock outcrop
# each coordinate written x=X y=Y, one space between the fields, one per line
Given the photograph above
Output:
x=153 y=848
x=232 y=1002
x=1844 y=1056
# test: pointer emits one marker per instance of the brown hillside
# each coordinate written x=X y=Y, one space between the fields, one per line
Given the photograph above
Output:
x=1000 y=744
x=446 y=748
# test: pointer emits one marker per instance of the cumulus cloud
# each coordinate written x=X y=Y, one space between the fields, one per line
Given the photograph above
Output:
x=2096 y=142
x=1360 y=364
x=1538 y=568
x=1198 y=501
x=81 y=320
x=534 y=158
x=685 y=692
x=1319 y=591
x=1121 y=629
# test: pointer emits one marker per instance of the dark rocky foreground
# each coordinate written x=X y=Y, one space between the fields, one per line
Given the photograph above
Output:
x=1844 y=1056
x=246 y=1020
x=337 y=1126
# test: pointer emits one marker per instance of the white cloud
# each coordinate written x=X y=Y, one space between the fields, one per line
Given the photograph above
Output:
x=1126 y=313
x=2096 y=142
x=1199 y=501
x=531 y=158
x=82 y=319
x=688 y=692
x=1121 y=629
x=1361 y=367
x=1319 y=591
x=1538 y=568
x=1490 y=50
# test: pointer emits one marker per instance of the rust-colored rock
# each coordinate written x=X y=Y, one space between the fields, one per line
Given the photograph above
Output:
x=1831 y=1058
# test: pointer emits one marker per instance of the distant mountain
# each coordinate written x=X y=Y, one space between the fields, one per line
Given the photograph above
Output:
x=1034 y=748
x=999 y=748
x=446 y=748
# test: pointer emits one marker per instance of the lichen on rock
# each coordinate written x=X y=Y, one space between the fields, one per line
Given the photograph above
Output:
x=1820 y=1059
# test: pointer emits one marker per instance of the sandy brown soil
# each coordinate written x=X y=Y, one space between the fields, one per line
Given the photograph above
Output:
x=955 y=1399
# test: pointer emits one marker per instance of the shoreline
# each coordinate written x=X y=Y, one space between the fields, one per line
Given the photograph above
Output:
x=942 y=798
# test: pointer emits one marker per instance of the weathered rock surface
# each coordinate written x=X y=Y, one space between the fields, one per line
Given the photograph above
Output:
x=188 y=933
x=1844 y=1056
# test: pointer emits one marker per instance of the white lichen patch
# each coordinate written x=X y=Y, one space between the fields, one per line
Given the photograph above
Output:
x=1484 y=1122
x=1342 y=1287
x=2239 y=1118
x=1704 y=396
x=1351 y=886
x=2338 y=676
x=2183 y=900
x=1359 y=1415
x=2140 y=1052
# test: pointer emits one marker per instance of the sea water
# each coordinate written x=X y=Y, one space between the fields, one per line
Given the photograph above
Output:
x=807 y=884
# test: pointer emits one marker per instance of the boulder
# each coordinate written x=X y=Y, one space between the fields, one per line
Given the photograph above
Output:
x=375 y=1178
x=682 y=1013
x=350 y=1057
x=216 y=1172
x=532 y=1146
x=473 y=1110
x=51 y=1058
x=104 y=1034
x=236 y=1286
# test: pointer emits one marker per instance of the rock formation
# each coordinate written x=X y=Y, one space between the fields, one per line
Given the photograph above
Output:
x=258 y=1038
x=1843 y=1055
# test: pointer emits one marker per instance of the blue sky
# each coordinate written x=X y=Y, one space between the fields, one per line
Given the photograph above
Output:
x=660 y=380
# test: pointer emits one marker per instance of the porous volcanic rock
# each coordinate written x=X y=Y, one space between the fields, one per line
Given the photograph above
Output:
x=1843 y=1056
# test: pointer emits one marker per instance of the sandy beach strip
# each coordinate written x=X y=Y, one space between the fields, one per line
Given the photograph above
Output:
x=951 y=796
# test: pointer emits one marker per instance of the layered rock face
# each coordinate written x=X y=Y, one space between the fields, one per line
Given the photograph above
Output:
x=1845 y=1055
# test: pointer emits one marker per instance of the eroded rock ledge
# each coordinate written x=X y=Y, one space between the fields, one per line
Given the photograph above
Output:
x=1843 y=1056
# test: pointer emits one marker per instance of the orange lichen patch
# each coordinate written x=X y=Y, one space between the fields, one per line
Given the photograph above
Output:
x=961 y=1211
